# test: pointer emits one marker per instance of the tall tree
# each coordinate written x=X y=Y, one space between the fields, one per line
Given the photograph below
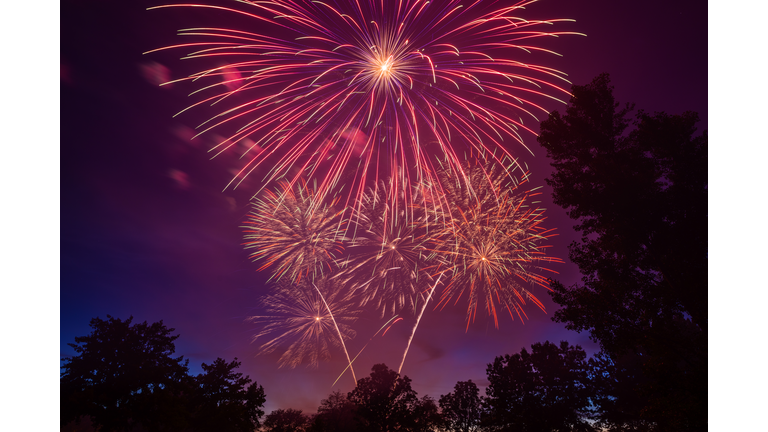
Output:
x=461 y=408
x=384 y=400
x=639 y=197
x=125 y=375
x=225 y=400
x=545 y=390
x=425 y=416
x=616 y=382
x=335 y=414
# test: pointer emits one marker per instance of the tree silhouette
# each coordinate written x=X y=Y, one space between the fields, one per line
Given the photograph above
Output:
x=125 y=375
x=286 y=420
x=335 y=414
x=541 y=391
x=224 y=400
x=425 y=416
x=125 y=378
x=461 y=408
x=384 y=400
x=640 y=199
x=616 y=383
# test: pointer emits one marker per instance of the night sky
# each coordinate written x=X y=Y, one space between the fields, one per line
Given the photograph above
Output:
x=147 y=231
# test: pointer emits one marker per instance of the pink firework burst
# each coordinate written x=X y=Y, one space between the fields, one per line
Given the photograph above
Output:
x=349 y=92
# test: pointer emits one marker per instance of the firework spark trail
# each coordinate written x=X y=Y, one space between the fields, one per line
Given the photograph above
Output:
x=343 y=84
x=418 y=319
x=341 y=338
x=299 y=316
x=291 y=230
x=386 y=325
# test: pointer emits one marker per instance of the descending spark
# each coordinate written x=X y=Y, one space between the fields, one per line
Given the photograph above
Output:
x=418 y=319
x=395 y=322
x=341 y=338
x=347 y=91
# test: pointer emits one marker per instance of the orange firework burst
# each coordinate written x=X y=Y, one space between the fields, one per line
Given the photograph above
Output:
x=496 y=254
x=307 y=318
x=290 y=229
x=391 y=249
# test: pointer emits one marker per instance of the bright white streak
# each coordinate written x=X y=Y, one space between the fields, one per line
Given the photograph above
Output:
x=417 y=322
x=343 y=345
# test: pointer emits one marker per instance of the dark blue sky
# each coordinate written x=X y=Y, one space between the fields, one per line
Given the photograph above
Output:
x=147 y=231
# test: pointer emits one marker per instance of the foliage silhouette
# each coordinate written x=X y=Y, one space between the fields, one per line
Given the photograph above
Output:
x=615 y=383
x=286 y=420
x=541 y=391
x=335 y=414
x=461 y=409
x=125 y=378
x=425 y=417
x=224 y=400
x=384 y=401
x=640 y=199
x=125 y=375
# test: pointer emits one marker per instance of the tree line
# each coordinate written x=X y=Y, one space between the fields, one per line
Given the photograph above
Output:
x=636 y=185
x=125 y=378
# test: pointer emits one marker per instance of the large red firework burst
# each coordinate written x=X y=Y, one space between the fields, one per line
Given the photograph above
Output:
x=349 y=91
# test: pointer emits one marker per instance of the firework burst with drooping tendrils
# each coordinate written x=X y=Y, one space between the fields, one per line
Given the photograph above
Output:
x=392 y=249
x=497 y=252
x=292 y=231
x=327 y=88
x=307 y=319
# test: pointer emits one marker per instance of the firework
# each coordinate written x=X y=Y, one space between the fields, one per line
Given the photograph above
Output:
x=348 y=94
x=366 y=89
x=391 y=250
x=291 y=230
x=497 y=254
x=307 y=318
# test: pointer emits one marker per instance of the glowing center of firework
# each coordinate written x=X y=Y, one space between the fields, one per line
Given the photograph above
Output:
x=386 y=66
x=483 y=258
x=317 y=318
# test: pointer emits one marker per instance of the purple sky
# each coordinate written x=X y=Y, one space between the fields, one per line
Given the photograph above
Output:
x=146 y=230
